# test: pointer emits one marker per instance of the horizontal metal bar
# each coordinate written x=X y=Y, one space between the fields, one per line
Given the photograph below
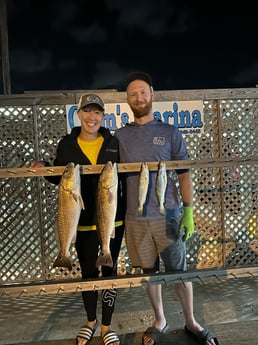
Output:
x=128 y=281
x=130 y=167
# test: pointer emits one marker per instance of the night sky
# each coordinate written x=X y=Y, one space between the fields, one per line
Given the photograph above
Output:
x=78 y=45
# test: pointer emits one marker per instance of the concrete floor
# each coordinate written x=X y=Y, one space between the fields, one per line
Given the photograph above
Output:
x=229 y=308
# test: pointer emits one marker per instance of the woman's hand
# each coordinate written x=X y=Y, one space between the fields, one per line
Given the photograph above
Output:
x=35 y=164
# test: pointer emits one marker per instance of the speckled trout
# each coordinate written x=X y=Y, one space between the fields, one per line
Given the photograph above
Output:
x=70 y=204
x=143 y=187
x=106 y=211
x=161 y=185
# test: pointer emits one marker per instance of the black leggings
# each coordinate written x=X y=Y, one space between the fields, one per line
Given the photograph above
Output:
x=87 y=247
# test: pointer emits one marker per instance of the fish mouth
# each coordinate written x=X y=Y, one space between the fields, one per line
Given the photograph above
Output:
x=70 y=165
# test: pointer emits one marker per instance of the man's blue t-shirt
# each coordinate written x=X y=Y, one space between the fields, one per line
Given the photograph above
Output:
x=151 y=142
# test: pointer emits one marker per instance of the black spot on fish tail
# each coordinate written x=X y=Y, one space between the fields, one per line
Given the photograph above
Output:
x=104 y=260
x=62 y=261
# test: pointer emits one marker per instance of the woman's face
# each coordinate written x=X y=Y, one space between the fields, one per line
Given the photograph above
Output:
x=91 y=117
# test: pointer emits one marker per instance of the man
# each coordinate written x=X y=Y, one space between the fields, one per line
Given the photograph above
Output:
x=152 y=234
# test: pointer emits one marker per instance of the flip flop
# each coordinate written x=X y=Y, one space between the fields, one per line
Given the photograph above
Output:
x=155 y=334
x=202 y=337
x=86 y=333
x=110 y=338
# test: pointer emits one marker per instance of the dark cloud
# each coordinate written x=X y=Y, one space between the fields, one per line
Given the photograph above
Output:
x=77 y=44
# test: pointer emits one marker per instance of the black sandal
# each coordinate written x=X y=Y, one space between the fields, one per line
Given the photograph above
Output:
x=110 y=338
x=202 y=337
x=155 y=334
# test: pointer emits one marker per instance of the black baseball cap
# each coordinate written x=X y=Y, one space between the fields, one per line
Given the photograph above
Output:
x=138 y=76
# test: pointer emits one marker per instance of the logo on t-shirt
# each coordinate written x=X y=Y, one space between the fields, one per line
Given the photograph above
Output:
x=159 y=141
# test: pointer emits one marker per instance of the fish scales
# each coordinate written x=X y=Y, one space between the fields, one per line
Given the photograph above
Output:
x=161 y=185
x=70 y=204
x=143 y=187
x=106 y=211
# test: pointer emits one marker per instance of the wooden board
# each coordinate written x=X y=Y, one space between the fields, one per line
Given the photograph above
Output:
x=129 y=167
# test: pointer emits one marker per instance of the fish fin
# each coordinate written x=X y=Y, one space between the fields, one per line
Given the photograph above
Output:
x=78 y=198
x=82 y=203
x=57 y=234
x=62 y=261
x=104 y=260
x=113 y=233
x=75 y=196
x=74 y=237
x=110 y=197
x=100 y=275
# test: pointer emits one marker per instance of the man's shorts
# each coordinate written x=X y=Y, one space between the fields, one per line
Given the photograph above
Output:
x=147 y=239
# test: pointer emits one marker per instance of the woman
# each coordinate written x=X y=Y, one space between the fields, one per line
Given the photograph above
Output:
x=92 y=144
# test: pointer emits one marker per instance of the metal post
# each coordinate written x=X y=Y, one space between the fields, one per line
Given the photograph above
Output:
x=4 y=48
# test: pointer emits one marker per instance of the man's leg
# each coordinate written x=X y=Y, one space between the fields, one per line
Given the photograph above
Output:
x=155 y=297
x=184 y=293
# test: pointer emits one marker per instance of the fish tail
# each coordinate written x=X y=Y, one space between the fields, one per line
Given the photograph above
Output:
x=62 y=261
x=162 y=210
x=104 y=260
x=139 y=211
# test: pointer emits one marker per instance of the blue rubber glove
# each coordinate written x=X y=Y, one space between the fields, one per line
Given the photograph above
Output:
x=187 y=222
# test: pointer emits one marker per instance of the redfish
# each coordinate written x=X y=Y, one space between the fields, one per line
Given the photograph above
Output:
x=106 y=211
x=70 y=204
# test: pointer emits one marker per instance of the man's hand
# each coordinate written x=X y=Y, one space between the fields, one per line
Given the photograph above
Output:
x=187 y=222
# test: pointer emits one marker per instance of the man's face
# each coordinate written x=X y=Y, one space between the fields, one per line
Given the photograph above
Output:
x=139 y=98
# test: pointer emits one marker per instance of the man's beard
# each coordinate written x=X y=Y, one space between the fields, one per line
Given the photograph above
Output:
x=139 y=113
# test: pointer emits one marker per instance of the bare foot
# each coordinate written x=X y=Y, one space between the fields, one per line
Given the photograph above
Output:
x=201 y=334
x=109 y=336
x=152 y=334
x=86 y=333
